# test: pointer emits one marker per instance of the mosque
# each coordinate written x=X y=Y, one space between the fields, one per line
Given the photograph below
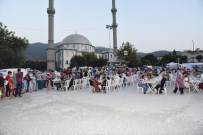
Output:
x=76 y=44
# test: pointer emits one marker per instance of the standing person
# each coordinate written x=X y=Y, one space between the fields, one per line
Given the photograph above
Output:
x=1 y=86
x=28 y=82
x=53 y=76
x=179 y=83
x=34 y=82
x=11 y=86
x=15 y=81
x=7 y=84
x=19 y=78
x=48 y=80
x=44 y=79
x=39 y=80
x=24 y=84
x=30 y=85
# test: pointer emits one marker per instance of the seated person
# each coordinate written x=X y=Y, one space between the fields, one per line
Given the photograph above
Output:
x=104 y=78
x=97 y=85
x=71 y=81
x=57 y=83
x=143 y=84
x=187 y=84
x=160 y=86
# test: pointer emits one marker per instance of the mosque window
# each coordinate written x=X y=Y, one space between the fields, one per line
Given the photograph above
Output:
x=73 y=46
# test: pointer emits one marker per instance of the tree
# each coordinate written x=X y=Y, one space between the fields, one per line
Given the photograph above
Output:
x=87 y=59
x=132 y=54
x=174 y=53
x=149 y=59
x=199 y=58
x=100 y=62
x=183 y=59
x=11 y=48
x=77 y=61
x=39 y=65
x=90 y=59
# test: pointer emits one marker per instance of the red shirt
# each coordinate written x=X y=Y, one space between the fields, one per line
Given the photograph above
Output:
x=96 y=84
x=8 y=77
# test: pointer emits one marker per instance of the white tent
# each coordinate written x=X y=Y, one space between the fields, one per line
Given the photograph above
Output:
x=191 y=65
x=173 y=65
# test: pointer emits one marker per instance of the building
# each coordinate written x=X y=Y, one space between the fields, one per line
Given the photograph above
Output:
x=74 y=44
x=191 y=55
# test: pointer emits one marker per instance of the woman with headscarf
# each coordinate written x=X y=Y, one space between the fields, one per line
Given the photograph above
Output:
x=179 y=82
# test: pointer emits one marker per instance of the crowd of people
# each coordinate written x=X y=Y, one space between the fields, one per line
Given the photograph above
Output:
x=15 y=83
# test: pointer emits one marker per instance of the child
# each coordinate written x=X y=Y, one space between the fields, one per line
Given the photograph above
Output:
x=11 y=86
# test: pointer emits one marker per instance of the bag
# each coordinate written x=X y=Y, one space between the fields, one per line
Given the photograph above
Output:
x=91 y=82
x=6 y=82
x=0 y=93
x=201 y=86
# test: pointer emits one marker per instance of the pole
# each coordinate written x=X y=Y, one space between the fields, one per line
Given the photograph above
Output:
x=109 y=40
x=109 y=27
x=193 y=55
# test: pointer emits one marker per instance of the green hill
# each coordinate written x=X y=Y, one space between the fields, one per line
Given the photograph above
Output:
x=38 y=51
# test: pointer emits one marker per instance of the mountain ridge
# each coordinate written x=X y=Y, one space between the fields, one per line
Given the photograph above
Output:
x=38 y=51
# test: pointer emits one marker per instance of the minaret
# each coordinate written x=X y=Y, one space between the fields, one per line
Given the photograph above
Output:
x=114 y=25
x=51 y=48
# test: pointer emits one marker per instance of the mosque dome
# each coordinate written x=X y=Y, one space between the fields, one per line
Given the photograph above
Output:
x=75 y=39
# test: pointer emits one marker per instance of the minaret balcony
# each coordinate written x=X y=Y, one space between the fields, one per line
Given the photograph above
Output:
x=113 y=10
x=50 y=10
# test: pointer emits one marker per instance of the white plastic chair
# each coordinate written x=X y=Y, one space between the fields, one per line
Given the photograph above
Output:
x=165 y=90
x=140 y=89
x=121 y=84
x=66 y=85
x=187 y=86
x=75 y=84
x=108 y=86
x=117 y=85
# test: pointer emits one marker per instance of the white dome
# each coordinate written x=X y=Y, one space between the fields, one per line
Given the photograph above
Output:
x=75 y=39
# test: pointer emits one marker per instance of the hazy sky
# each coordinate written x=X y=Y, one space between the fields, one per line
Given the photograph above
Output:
x=150 y=25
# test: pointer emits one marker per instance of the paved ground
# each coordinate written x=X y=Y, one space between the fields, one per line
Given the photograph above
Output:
x=120 y=113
